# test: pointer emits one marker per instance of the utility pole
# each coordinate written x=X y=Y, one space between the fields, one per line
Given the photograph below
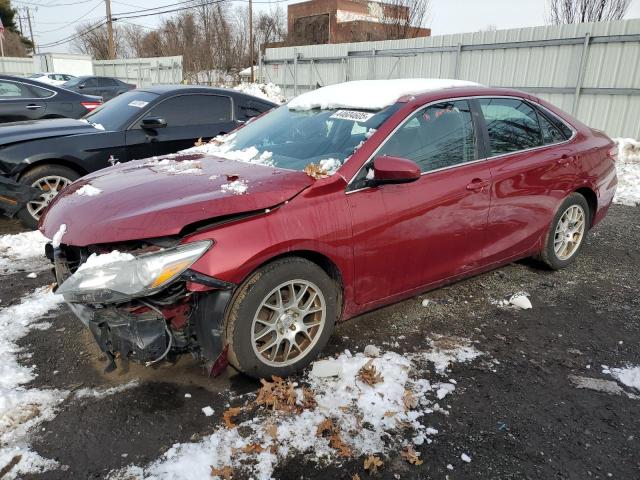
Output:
x=33 y=42
x=20 y=22
x=112 y=50
x=253 y=79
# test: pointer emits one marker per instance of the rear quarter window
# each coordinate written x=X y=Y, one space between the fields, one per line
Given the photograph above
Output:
x=512 y=125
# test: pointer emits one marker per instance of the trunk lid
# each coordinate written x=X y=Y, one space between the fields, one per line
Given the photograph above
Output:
x=160 y=196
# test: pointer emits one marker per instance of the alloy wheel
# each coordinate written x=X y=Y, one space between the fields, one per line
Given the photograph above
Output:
x=569 y=232
x=288 y=323
x=50 y=185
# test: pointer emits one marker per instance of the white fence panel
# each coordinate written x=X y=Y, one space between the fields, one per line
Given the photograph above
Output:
x=591 y=70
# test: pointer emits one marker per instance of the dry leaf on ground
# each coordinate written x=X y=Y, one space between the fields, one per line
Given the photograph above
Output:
x=409 y=399
x=369 y=375
x=226 y=473
x=229 y=414
x=411 y=456
x=372 y=463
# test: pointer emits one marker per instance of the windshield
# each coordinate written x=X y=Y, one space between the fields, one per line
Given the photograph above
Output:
x=118 y=113
x=293 y=139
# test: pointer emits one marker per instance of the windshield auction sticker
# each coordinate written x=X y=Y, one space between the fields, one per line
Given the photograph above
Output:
x=138 y=103
x=353 y=115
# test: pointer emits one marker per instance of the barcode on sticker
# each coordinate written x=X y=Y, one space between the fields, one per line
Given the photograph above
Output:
x=352 y=115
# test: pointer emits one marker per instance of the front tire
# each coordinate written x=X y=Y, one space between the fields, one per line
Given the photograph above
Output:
x=51 y=179
x=567 y=232
x=281 y=318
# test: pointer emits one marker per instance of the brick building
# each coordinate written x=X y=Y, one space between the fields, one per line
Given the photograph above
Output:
x=339 y=21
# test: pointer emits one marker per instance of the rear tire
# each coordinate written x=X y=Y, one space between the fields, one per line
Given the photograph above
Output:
x=56 y=177
x=290 y=304
x=567 y=232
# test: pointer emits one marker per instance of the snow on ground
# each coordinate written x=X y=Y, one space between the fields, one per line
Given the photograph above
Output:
x=372 y=406
x=628 y=167
x=94 y=393
x=369 y=94
x=22 y=251
x=268 y=91
x=446 y=351
x=23 y=408
x=629 y=376
x=175 y=167
x=88 y=191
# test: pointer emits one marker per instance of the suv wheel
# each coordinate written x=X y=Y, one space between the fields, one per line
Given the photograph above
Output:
x=567 y=232
x=281 y=318
x=51 y=179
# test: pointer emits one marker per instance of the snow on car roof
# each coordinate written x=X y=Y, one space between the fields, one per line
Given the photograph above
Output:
x=370 y=94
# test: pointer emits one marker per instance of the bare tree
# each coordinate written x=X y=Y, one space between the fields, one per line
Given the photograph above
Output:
x=579 y=11
x=405 y=18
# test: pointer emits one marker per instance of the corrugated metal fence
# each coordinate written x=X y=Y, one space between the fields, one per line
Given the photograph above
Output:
x=142 y=72
x=591 y=70
x=17 y=66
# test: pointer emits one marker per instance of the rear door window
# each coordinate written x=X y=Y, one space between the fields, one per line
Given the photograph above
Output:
x=436 y=137
x=197 y=109
x=512 y=124
x=10 y=90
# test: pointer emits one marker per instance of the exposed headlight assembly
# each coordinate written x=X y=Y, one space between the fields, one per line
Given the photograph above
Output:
x=129 y=276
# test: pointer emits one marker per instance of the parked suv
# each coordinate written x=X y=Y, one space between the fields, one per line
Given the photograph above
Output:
x=249 y=249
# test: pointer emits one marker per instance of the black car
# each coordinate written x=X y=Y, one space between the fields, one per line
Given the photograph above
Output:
x=105 y=87
x=24 y=99
x=50 y=154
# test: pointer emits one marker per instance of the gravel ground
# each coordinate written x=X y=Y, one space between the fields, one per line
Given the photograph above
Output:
x=521 y=418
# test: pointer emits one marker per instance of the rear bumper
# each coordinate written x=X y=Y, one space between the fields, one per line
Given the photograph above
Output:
x=14 y=195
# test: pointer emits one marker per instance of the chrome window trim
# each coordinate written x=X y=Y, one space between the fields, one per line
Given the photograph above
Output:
x=472 y=97
x=27 y=98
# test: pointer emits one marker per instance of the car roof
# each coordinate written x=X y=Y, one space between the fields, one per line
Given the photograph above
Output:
x=170 y=89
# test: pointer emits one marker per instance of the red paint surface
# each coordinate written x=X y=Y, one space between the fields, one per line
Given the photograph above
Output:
x=387 y=242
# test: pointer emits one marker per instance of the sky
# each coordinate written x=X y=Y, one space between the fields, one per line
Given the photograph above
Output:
x=53 y=20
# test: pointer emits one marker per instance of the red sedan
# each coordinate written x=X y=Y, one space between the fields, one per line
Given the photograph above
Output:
x=249 y=248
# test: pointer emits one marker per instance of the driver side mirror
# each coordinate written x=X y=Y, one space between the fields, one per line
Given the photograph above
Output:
x=153 y=123
x=392 y=170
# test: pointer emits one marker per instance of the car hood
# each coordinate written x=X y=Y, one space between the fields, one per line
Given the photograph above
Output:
x=160 y=196
x=36 y=129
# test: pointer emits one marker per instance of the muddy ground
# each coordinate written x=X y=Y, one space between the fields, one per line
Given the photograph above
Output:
x=523 y=419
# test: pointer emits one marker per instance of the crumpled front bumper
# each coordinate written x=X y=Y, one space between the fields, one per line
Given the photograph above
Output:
x=141 y=338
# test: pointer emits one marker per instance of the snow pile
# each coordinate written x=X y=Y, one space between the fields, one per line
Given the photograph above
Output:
x=267 y=91
x=223 y=146
x=57 y=237
x=369 y=94
x=369 y=406
x=628 y=168
x=22 y=251
x=629 y=376
x=330 y=165
x=175 y=167
x=100 y=260
x=237 y=187
x=88 y=190
x=21 y=408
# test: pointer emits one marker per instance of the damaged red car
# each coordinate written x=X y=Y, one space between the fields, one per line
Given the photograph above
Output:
x=251 y=247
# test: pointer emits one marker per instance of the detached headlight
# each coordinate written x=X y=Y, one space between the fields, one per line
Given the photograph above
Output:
x=127 y=276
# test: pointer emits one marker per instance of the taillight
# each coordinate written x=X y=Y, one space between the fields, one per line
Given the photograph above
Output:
x=613 y=153
x=90 y=105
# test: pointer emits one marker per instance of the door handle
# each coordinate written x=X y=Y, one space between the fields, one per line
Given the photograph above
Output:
x=33 y=107
x=478 y=184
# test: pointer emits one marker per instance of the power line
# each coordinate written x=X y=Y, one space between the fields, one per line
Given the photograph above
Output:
x=76 y=20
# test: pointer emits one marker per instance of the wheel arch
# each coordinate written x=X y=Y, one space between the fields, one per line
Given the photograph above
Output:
x=53 y=161
x=321 y=260
x=592 y=200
